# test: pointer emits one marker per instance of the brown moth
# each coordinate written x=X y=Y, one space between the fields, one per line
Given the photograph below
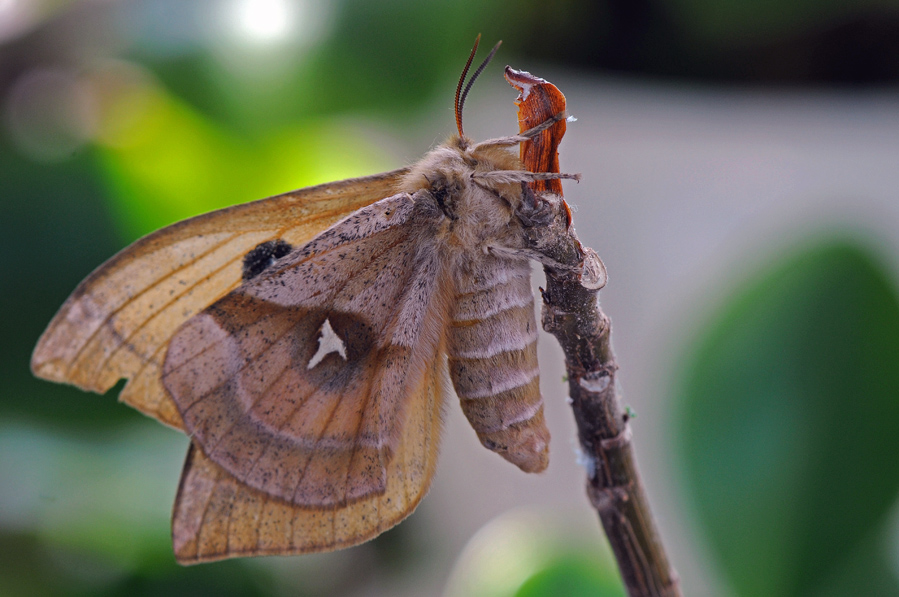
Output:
x=304 y=341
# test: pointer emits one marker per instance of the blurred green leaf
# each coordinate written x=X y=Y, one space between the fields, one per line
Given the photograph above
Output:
x=362 y=67
x=104 y=493
x=177 y=163
x=866 y=569
x=31 y=568
x=89 y=514
x=788 y=417
x=572 y=576
x=529 y=553
x=389 y=58
x=55 y=230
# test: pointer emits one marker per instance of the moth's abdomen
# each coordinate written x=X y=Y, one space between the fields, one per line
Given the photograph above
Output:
x=492 y=352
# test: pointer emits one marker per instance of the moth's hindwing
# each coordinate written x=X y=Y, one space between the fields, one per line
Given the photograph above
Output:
x=118 y=322
x=218 y=517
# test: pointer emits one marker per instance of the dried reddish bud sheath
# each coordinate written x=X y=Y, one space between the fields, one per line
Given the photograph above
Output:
x=538 y=101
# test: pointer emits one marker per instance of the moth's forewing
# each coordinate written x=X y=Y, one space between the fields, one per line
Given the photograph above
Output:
x=318 y=431
x=218 y=517
x=118 y=322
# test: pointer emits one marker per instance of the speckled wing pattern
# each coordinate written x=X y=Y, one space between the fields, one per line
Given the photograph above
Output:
x=335 y=448
x=118 y=322
x=218 y=517
x=316 y=432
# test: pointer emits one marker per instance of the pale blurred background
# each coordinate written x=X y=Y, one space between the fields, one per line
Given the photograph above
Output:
x=740 y=170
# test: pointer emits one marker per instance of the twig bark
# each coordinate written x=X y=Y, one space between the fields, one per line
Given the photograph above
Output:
x=574 y=275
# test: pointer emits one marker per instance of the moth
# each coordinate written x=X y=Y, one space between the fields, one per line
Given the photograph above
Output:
x=306 y=344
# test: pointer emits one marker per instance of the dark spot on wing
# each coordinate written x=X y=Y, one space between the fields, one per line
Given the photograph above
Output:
x=263 y=256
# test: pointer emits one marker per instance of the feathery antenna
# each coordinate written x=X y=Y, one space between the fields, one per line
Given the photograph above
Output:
x=460 y=94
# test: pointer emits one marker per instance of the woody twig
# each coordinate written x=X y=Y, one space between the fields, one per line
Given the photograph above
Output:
x=571 y=313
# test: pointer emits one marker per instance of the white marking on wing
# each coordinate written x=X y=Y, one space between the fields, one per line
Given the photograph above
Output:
x=328 y=342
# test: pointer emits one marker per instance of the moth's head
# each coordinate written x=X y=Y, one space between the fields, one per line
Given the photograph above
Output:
x=461 y=176
x=466 y=179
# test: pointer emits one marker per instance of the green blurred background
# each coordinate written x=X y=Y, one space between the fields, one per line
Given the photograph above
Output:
x=741 y=182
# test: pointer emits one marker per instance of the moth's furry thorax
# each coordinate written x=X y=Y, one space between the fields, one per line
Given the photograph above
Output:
x=477 y=211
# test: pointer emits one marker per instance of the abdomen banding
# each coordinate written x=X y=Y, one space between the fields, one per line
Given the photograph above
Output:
x=492 y=349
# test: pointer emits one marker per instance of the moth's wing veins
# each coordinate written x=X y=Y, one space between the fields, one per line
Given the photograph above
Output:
x=118 y=321
x=216 y=516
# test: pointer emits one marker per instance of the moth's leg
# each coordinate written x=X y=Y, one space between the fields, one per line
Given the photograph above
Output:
x=527 y=253
x=534 y=131
x=590 y=267
x=544 y=220
x=494 y=177
x=523 y=136
x=533 y=210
